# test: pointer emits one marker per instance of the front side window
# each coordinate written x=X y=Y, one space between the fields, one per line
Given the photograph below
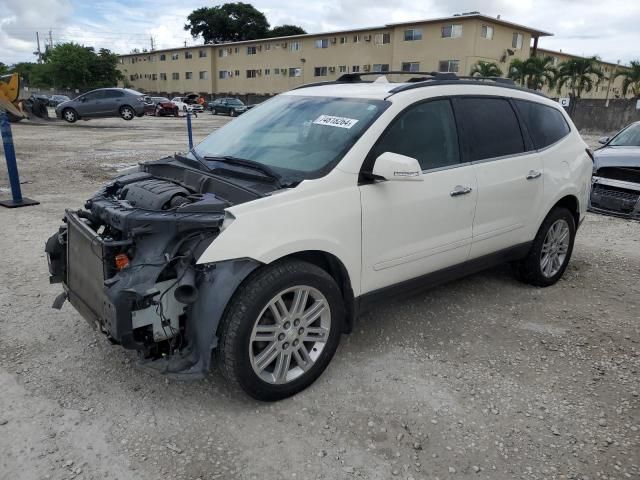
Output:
x=410 y=66
x=426 y=132
x=629 y=137
x=449 y=66
x=516 y=41
x=412 y=34
x=451 y=31
x=546 y=125
x=296 y=136
x=490 y=127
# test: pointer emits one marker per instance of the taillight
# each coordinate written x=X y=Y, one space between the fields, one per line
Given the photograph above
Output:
x=121 y=261
x=590 y=153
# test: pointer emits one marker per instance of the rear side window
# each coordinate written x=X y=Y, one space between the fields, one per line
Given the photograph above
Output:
x=490 y=127
x=546 y=125
x=426 y=132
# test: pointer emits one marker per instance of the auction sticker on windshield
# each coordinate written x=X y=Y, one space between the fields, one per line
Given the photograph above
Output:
x=341 y=122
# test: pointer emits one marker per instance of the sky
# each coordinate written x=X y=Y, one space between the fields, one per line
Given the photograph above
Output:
x=610 y=29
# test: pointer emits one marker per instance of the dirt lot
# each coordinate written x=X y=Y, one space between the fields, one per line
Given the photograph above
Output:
x=481 y=378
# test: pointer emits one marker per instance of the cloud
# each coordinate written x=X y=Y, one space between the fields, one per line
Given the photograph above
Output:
x=589 y=27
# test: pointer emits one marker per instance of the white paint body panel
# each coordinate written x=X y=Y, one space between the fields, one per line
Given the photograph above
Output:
x=388 y=232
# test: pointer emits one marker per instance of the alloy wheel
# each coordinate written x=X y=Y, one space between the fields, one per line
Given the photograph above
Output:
x=555 y=248
x=289 y=334
x=127 y=113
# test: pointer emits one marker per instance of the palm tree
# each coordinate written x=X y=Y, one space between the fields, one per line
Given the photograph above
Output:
x=631 y=78
x=486 y=69
x=579 y=75
x=517 y=71
x=540 y=71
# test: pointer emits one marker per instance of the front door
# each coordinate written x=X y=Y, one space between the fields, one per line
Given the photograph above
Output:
x=410 y=229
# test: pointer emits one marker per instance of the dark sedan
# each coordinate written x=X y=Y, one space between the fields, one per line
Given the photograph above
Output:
x=615 y=188
x=230 y=106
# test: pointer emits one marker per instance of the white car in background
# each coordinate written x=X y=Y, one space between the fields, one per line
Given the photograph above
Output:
x=186 y=107
x=264 y=243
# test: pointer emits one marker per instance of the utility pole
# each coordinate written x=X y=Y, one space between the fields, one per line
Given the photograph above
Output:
x=185 y=43
x=38 y=52
x=50 y=39
x=152 y=46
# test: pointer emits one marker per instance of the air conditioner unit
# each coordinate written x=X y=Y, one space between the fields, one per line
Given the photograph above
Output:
x=334 y=40
x=366 y=68
x=367 y=38
x=231 y=74
x=332 y=69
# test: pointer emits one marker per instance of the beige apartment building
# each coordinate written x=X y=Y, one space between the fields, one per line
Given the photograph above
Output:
x=270 y=66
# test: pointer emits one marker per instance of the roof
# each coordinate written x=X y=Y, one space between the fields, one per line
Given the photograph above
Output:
x=566 y=54
x=464 y=16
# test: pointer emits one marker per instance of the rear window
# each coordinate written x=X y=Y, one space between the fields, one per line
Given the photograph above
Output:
x=546 y=125
x=490 y=127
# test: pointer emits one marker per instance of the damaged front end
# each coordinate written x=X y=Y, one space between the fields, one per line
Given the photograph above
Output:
x=128 y=263
x=616 y=191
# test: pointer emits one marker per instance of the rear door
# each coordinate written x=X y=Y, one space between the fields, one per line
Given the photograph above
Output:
x=410 y=229
x=113 y=100
x=508 y=170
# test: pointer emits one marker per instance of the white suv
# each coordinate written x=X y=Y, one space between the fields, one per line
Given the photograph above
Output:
x=264 y=243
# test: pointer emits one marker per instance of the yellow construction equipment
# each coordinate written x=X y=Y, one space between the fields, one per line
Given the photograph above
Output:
x=16 y=108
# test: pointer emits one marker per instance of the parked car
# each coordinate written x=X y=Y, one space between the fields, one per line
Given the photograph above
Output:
x=615 y=188
x=266 y=241
x=161 y=106
x=56 y=100
x=230 y=106
x=185 y=106
x=103 y=102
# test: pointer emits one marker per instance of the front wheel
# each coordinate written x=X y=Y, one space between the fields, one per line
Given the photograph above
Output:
x=281 y=329
x=551 y=250
x=127 y=113
x=70 y=115
x=232 y=113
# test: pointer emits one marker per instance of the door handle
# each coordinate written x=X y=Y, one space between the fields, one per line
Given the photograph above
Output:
x=460 y=190
x=533 y=174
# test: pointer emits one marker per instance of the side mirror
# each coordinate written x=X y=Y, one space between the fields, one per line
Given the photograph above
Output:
x=83 y=99
x=603 y=140
x=393 y=166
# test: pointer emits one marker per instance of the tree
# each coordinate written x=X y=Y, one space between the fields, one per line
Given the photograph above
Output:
x=227 y=23
x=539 y=71
x=517 y=71
x=285 y=31
x=579 y=75
x=3 y=68
x=631 y=79
x=486 y=69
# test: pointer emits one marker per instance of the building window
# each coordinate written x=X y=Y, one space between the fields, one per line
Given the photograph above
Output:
x=452 y=31
x=412 y=34
x=322 y=43
x=380 y=67
x=202 y=53
x=267 y=71
x=486 y=31
x=237 y=73
x=252 y=73
x=343 y=40
x=296 y=46
x=223 y=52
x=204 y=75
x=320 y=72
x=188 y=55
x=449 y=66
x=410 y=66
x=188 y=75
x=163 y=76
x=154 y=76
x=296 y=72
x=175 y=56
x=516 y=41
x=355 y=68
x=276 y=71
x=382 y=38
x=223 y=74
x=251 y=50
x=342 y=69
x=132 y=77
x=175 y=76
x=236 y=50
x=152 y=59
x=356 y=39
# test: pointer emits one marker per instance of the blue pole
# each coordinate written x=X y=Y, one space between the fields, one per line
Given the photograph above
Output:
x=12 y=166
x=189 y=131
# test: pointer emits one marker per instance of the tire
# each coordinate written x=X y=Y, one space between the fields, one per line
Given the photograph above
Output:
x=70 y=115
x=556 y=246
x=238 y=352
x=214 y=112
x=232 y=113
x=184 y=108
x=176 y=112
x=127 y=113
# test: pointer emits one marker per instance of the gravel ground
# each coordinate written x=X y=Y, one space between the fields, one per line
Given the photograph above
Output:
x=480 y=378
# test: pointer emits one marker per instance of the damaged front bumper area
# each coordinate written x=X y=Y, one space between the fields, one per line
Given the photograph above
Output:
x=132 y=273
x=616 y=191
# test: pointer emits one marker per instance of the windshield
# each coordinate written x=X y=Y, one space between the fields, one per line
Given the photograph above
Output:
x=234 y=101
x=160 y=99
x=629 y=137
x=296 y=137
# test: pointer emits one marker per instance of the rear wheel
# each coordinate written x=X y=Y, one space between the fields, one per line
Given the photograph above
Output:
x=214 y=112
x=232 y=113
x=280 y=330
x=550 y=251
x=127 y=113
x=70 y=115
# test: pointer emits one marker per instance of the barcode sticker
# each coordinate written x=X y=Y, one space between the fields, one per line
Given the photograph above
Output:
x=340 y=122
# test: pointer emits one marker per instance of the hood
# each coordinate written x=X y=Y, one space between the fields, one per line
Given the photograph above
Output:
x=617 y=157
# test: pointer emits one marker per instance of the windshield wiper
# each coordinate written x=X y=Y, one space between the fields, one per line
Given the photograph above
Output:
x=242 y=162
